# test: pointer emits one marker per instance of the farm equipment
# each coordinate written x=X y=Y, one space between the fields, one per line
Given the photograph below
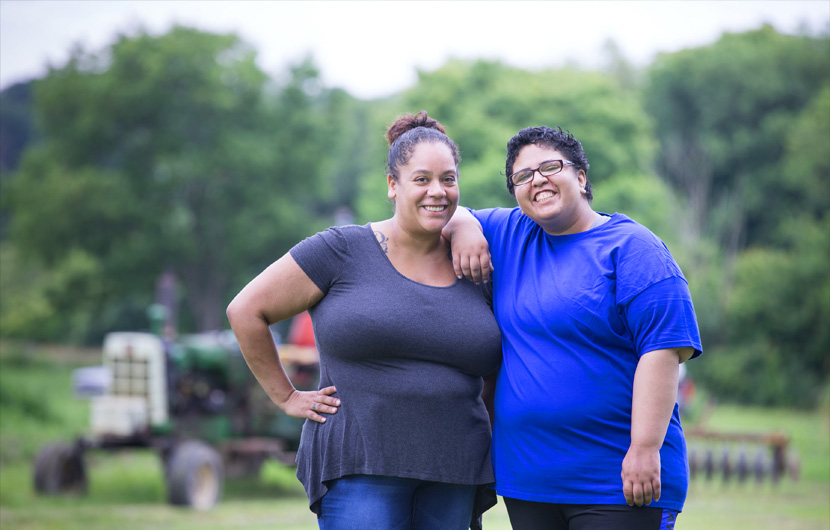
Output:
x=193 y=400
x=739 y=456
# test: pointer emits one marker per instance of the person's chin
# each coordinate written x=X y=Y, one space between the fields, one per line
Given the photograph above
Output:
x=541 y=212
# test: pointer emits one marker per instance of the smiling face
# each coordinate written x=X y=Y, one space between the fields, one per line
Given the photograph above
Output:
x=426 y=189
x=557 y=203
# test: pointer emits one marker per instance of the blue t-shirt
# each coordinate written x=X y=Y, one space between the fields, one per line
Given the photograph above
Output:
x=576 y=312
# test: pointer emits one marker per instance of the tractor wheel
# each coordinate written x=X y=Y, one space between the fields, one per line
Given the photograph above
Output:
x=194 y=475
x=60 y=469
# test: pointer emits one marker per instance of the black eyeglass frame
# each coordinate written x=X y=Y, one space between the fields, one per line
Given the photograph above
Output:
x=539 y=169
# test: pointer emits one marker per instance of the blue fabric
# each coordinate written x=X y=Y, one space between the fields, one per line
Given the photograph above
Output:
x=360 y=502
x=576 y=312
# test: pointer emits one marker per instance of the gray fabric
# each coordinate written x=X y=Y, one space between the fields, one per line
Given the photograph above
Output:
x=407 y=360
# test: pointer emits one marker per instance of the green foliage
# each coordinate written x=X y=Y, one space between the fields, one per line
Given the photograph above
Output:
x=721 y=113
x=644 y=198
x=16 y=133
x=36 y=405
x=168 y=154
x=744 y=130
x=778 y=338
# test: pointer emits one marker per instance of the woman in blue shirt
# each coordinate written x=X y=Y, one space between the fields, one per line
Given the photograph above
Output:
x=595 y=318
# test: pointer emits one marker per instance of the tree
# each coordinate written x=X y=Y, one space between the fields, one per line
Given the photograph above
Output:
x=721 y=112
x=167 y=154
x=744 y=128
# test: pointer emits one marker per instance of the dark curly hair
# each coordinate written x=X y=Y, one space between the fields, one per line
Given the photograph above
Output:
x=557 y=139
x=407 y=132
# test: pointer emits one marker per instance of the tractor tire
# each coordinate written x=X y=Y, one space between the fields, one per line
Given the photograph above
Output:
x=194 y=475
x=60 y=469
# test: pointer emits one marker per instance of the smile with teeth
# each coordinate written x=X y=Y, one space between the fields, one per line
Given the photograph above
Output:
x=435 y=208
x=543 y=196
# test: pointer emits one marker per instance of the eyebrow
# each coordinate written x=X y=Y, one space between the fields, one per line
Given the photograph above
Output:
x=428 y=172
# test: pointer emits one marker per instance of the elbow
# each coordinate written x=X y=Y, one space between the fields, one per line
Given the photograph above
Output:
x=235 y=311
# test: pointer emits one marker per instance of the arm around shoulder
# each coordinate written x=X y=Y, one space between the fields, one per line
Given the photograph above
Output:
x=470 y=251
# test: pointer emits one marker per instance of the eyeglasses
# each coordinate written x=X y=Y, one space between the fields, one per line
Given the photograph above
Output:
x=547 y=168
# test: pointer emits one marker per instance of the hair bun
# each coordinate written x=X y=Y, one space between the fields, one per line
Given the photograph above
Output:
x=408 y=122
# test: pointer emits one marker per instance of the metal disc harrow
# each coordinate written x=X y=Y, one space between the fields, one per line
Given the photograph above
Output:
x=741 y=457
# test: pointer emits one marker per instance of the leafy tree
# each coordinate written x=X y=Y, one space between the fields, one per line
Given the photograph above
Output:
x=776 y=314
x=721 y=112
x=167 y=154
x=16 y=127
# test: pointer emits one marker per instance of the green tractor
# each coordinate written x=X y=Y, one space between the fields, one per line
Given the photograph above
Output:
x=193 y=400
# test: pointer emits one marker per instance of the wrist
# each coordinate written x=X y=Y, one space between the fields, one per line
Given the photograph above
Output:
x=645 y=446
x=281 y=399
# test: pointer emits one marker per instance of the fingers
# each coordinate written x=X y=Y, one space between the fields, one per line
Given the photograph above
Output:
x=329 y=390
x=477 y=269
x=323 y=403
x=641 y=493
x=486 y=267
x=628 y=492
x=463 y=268
x=456 y=266
x=641 y=476
x=648 y=493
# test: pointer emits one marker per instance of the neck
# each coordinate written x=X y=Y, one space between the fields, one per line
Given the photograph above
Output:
x=583 y=222
x=411 y=242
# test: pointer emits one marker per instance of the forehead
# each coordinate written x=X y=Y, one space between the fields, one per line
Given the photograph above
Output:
x=531 y=155
x=427 y=153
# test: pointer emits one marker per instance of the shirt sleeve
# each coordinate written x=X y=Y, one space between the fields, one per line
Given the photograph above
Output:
x=322 y=257
x=662 y=316
x=494 y=222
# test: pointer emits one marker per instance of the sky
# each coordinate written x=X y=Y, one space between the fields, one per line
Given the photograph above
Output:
x=375 y=48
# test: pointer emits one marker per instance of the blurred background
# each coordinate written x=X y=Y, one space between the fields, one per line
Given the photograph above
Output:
x=166 y=152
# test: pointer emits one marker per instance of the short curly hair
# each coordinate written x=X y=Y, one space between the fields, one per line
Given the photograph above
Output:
x=562 y=141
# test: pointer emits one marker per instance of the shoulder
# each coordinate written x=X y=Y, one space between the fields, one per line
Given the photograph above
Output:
x=495 y=215
x=641 y=258
x=629 y=236
x=334 y=240
x=503 y=220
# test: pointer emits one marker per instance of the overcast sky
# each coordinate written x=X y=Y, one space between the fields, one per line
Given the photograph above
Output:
x=374 y=48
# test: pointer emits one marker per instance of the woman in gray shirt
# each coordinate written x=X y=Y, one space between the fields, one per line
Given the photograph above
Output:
x=398 y=435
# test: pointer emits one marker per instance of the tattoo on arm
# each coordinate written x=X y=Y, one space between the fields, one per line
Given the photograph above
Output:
x=383 y=240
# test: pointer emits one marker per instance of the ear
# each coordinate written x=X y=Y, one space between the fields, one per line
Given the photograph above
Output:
x=582 y=179
x=391 y=186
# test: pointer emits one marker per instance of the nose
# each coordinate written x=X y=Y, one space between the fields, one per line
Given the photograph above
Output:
x=542 y=178
x=436 y=189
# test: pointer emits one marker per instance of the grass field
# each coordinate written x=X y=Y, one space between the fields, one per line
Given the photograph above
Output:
x=126 y=490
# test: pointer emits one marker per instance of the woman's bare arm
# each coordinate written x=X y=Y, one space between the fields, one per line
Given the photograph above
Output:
x=280 y=292
x=470 y=251
x=655 y=393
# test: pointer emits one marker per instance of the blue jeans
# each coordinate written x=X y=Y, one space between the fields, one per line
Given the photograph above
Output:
x=361 y=502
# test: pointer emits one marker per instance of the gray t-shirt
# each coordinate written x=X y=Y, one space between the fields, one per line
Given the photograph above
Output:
x=407 y=360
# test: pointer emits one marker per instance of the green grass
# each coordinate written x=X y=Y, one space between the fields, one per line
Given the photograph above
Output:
x=126 y=490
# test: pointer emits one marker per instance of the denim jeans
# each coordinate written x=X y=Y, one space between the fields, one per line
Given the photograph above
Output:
x=362 y=502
